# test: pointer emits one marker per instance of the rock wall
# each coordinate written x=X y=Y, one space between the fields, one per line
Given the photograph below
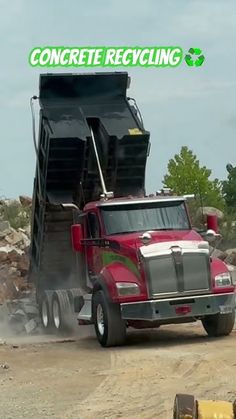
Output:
x=14 y=250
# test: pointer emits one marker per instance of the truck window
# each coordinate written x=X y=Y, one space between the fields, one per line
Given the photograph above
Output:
x=93 y=226
x=129 y=218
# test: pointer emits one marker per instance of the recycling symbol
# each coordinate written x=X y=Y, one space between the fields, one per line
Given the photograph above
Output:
x=194 y=58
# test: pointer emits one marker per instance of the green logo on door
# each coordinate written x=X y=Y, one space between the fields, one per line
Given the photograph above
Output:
x=194 y=58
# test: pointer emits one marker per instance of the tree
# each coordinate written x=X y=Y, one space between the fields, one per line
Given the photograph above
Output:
x=229 y=188
x=186 y=176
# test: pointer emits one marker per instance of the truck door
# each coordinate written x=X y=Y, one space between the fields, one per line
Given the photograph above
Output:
x=93 y=251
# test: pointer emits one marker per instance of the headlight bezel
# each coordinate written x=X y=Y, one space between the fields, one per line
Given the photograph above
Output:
x=127 y=289
x=223 y=280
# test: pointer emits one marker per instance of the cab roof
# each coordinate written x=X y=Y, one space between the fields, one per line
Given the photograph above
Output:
x=133 y=201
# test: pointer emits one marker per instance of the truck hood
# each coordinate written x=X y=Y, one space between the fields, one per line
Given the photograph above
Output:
x=132 y=240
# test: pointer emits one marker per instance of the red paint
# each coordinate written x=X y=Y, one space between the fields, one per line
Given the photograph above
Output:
x=117 y=272
x=127 y=245
x=183 y=310
x=93 y=252
x=219 y=267
x=132 y=240
x=212 y=222
x=76 y=237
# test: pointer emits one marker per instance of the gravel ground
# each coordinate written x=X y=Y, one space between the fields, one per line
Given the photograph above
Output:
x=44 y=378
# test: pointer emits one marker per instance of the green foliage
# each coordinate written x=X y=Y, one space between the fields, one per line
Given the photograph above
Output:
x=17 y=215
x=186 y=176
x=229 y=188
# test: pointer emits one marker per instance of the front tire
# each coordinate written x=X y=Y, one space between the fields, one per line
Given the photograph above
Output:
x=109 y=326
x=219 y=324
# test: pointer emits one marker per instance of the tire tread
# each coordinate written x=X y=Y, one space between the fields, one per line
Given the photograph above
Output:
x=116 y=329
x=219 y=324
x=65 y=309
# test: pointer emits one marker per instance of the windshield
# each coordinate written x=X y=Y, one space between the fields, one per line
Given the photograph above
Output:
x=145 y=216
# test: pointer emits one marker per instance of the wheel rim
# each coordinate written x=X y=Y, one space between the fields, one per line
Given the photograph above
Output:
x=56 y=314
x=100 y=319
x=44 y=313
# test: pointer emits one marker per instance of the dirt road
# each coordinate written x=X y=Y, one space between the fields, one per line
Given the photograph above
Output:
x=81 y=380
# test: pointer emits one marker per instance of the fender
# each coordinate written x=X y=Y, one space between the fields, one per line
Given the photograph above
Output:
x=219 y=267
x=101 y=284
x=117 y=272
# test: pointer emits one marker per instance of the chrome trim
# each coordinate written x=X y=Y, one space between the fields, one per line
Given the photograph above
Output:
x=140 y=200
x=56 y=314
x=182 y=298
x=106 y=194
x=86 y=310
x=204 y=291
x=45 y=314
x=168 y=252
x=70 y=205
x=164 y=311
x=164 y=248
x=100 y=319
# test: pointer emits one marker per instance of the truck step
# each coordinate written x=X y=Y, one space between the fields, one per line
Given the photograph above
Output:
x=86 y=311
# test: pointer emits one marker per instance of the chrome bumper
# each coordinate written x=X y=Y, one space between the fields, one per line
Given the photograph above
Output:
x=174 y=308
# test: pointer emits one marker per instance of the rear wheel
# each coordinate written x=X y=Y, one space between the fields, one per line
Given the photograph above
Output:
x=72 y=294
x=45 y=311
x=109 y=326
x=219 y=324
x=61 y=311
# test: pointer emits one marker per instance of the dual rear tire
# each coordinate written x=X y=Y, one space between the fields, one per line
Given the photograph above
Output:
x=56 y=311
x=45 y=310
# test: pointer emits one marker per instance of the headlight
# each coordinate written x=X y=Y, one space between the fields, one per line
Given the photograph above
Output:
x=127 y=288
x=223 y=280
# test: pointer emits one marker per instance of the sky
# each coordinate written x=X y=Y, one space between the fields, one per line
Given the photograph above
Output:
x=180 y=106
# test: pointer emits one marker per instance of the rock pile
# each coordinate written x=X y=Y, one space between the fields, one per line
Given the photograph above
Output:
x=14 y=262
x=20 y=316
x=18 y=308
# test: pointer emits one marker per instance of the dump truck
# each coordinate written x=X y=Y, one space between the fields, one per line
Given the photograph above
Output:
x=100 y=247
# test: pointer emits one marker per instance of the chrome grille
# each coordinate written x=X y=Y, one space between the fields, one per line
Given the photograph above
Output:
x=196 y=271
x=190 y=273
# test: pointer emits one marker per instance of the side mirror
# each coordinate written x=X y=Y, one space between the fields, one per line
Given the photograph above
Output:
x=77 y=236
x=212 y=222
x=211 y=236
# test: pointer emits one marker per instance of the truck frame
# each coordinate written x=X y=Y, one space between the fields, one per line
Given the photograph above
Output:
x=100 y=246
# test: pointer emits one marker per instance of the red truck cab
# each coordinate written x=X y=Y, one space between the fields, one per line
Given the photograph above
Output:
x=147 y=267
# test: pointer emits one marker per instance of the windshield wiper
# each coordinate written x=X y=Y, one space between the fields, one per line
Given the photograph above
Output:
x=149 y=229
x=166 y=229
x=126 y=232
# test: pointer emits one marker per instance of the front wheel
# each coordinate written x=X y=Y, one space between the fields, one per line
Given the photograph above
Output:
x=109 y=326
x=219 y=324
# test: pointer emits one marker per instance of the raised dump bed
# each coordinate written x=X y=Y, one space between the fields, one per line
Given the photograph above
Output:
x=71 y=106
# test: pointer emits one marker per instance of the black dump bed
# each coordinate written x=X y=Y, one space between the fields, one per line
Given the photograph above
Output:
x=66 y=170
x=71 y=103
